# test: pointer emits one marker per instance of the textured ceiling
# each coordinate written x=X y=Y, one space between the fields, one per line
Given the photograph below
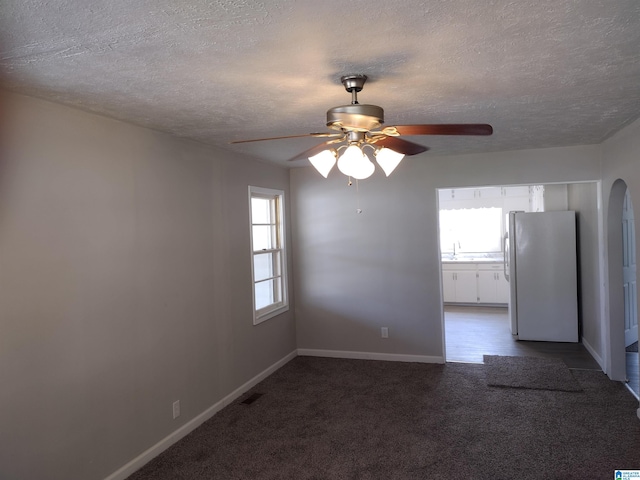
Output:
x=543 y=73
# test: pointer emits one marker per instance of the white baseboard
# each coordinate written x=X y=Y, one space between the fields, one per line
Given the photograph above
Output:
x=593 y=353
x=388 y=357
x=188 y=427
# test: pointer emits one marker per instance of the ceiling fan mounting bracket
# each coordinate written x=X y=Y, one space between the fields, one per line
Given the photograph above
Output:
x=353 y=82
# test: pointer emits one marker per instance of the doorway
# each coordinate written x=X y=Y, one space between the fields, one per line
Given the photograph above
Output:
x=629 y=289
x=473 y=328
x=622 y=288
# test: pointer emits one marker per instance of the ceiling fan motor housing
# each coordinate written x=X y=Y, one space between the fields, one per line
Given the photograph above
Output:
x=360 y=118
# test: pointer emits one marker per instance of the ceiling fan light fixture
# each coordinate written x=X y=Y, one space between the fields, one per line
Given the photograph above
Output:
x=388 y=159
x=356 y=126
x=324 y=161
x=354 y=163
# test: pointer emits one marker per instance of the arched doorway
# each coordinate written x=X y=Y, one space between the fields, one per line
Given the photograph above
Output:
x=622 y=283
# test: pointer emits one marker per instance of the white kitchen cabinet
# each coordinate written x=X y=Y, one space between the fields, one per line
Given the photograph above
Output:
x=508 y=198
x=459 y=283
x=516 y=199
x=492 y=286
x=472 y=283
x=520 y=191
x=487 y=290
x=489 y=192
x=463 y=193
x=448 y=286
x=466 y=287
x=448 y=194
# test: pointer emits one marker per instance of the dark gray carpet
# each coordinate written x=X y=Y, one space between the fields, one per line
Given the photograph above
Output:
x=529 y=372
x=632 y=348
x=338 y=419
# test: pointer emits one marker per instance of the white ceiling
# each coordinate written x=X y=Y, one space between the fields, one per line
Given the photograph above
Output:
x=543 y=72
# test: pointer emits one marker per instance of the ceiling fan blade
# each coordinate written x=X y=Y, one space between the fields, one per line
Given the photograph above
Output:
x=401 y=146
x=315 y=135
x=444 y=129
x=310 y=152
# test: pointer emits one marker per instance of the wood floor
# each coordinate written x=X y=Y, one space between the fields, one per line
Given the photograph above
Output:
x=472 y=332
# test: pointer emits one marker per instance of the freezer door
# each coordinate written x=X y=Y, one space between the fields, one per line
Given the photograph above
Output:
x=546 y=276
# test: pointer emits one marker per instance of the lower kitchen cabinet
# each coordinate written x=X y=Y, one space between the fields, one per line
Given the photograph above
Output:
x=482 y=283
x=460 y=286
x=492 y=287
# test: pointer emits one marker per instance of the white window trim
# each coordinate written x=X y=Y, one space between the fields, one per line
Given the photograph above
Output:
x=270 y=311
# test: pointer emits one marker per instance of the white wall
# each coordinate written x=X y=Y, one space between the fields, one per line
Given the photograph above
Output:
x=555 y=197
x=355 y=273
x=125 y=285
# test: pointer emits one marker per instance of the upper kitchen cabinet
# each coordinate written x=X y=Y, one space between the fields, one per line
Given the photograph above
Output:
x=525 y=198
x=481 y=197
x=517 y=199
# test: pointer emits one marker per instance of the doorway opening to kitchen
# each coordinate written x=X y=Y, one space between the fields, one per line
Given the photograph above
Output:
x=473 y=222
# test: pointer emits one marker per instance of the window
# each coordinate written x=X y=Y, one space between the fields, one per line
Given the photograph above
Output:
x=471 y=230
x=268 y=259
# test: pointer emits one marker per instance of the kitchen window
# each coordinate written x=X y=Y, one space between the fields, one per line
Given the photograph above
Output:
x=268 y=255
x=471 y=230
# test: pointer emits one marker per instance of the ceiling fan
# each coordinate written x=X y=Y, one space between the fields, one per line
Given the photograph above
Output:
x=357 y=127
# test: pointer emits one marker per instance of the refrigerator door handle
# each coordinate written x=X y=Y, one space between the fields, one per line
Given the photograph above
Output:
x=505 y=264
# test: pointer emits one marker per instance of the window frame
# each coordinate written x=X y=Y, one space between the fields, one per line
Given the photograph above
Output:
x=278 y=211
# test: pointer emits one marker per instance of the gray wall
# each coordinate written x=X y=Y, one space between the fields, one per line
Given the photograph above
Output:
x=125 y=285
x=583 y=198
x=357 y=272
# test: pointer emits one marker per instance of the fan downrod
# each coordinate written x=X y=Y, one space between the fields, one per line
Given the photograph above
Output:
x=354 y=117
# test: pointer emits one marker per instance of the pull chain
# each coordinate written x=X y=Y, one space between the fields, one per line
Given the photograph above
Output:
x=358 y=209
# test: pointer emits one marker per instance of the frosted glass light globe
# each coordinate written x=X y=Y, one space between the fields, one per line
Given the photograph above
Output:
x=356 y=164
x=323 y=162
x=388 y=159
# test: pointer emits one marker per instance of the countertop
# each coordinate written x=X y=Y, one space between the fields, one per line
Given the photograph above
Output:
x=477 y=258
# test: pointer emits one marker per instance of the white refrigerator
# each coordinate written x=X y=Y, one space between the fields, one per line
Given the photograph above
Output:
x=541 y=267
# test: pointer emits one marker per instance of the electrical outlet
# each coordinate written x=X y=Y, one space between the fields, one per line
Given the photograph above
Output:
x=384 y=332
x=176 y=409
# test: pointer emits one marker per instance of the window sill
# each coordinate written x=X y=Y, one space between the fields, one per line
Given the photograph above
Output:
x=270 y=314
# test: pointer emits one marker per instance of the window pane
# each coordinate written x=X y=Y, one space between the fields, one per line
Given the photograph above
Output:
x=263 y=237
x=260 y=210
x=266 y=265
x=264 y=294
x=471 y=230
